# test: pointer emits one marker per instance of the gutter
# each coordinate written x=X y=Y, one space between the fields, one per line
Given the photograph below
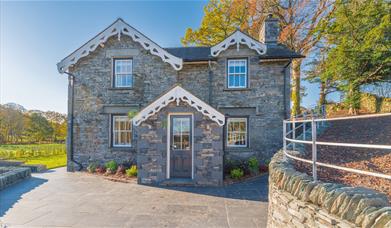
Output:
x=71 y=80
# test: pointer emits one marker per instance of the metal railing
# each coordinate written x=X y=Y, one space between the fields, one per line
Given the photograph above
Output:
x=315 y=123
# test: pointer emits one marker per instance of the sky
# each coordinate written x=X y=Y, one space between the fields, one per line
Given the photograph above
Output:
x=35 y=36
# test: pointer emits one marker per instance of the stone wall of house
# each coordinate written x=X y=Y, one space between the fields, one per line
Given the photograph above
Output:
x=96 y=100
x=265 y=98
x=296 y=201
x=152 y=147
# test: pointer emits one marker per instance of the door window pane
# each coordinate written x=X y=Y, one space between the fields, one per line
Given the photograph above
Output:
x=181 y=133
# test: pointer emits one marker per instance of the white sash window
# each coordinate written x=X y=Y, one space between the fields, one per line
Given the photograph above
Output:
x=237 y=132
x=122 y=131
x=123 y=75
x=237 y=73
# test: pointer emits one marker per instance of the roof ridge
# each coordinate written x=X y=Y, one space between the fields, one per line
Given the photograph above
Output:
x=190 y=47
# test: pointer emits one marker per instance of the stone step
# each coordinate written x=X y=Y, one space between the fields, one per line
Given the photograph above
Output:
x=10 y=163
x=182 y=182
x=36 y=168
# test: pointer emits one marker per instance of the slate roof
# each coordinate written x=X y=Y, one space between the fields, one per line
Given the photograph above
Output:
x=193 y=54
x=279 y=51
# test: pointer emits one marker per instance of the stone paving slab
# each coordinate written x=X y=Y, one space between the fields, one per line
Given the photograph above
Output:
x=60 y=199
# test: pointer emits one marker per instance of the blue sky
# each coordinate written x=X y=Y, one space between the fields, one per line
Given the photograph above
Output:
x=34 y=36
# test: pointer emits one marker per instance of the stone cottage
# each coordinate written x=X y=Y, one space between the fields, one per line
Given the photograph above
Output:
x=178 y=113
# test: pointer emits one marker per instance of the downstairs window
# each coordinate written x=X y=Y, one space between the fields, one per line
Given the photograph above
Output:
x=237 y=132
x=122 y=131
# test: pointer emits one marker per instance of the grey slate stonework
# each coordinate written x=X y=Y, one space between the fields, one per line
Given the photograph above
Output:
x=265 y=96
x=265 y=103
x=152 y=147
x=295 y=200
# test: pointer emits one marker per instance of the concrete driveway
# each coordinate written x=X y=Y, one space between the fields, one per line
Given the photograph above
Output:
x=60 y=199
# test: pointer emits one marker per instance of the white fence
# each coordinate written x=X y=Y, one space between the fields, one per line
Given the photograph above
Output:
x=301 y=124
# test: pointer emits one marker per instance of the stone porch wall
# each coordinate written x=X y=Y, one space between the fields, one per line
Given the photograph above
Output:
x=296 y=201
x=152 y=147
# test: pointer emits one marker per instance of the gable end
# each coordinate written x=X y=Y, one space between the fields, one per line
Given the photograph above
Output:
x=119 y=27
x=238 y=38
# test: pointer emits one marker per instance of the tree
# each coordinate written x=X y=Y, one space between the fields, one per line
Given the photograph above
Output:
x=39 y=129
x=58 y=122
x=221 y=18
x=11 y=124
x=360 y=39
x=315 y=74
x=299 y=20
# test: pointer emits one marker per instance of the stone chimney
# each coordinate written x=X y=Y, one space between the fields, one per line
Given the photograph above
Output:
x=270 y=30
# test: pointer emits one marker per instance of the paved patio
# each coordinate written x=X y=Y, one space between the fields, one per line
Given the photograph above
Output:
x=58 y=198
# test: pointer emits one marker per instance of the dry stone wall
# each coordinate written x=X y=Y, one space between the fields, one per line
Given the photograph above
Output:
x=12 y=175
x=296 y=201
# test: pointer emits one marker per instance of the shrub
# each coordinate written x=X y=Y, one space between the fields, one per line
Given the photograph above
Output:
x=132 y=172
x=127 y=164
x=100 y=169
x=111 y=166
x=236 y=173
x=263 y=168
x=253 y=165
x=267 y=162
x=92 y=167
x=121 y=170
x=229 y=165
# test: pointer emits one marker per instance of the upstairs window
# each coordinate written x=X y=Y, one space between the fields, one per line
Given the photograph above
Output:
x=122 y=131
x=123 y=75
x=237 y=132
x=237 y=73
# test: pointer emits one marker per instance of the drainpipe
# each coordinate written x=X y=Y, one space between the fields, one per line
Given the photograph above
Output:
x=71 y=80
x=285 y=100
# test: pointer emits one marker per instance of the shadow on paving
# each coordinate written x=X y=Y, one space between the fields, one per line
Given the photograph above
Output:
x=10 y=195
x=253 y=190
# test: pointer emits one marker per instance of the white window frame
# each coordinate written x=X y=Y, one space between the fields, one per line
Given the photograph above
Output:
x=235 y=119
x=116 y=75
x=114 y=131
x=236 y=74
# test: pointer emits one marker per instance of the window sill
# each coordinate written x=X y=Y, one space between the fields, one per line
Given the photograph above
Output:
x=237 y=89
x=125 y=88
x=238 y=149
x=121 y=148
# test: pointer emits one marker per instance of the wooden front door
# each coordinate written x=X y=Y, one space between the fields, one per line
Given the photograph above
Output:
x=180 y=146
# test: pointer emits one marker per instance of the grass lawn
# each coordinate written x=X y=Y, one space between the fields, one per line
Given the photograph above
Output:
x=51 y=155
x=51 y=162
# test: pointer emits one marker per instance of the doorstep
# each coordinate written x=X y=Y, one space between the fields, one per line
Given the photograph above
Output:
x=178 y=182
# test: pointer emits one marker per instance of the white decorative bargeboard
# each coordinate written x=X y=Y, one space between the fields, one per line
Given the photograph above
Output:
x=179 y=94
x=119 y=27
x=238 y=38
